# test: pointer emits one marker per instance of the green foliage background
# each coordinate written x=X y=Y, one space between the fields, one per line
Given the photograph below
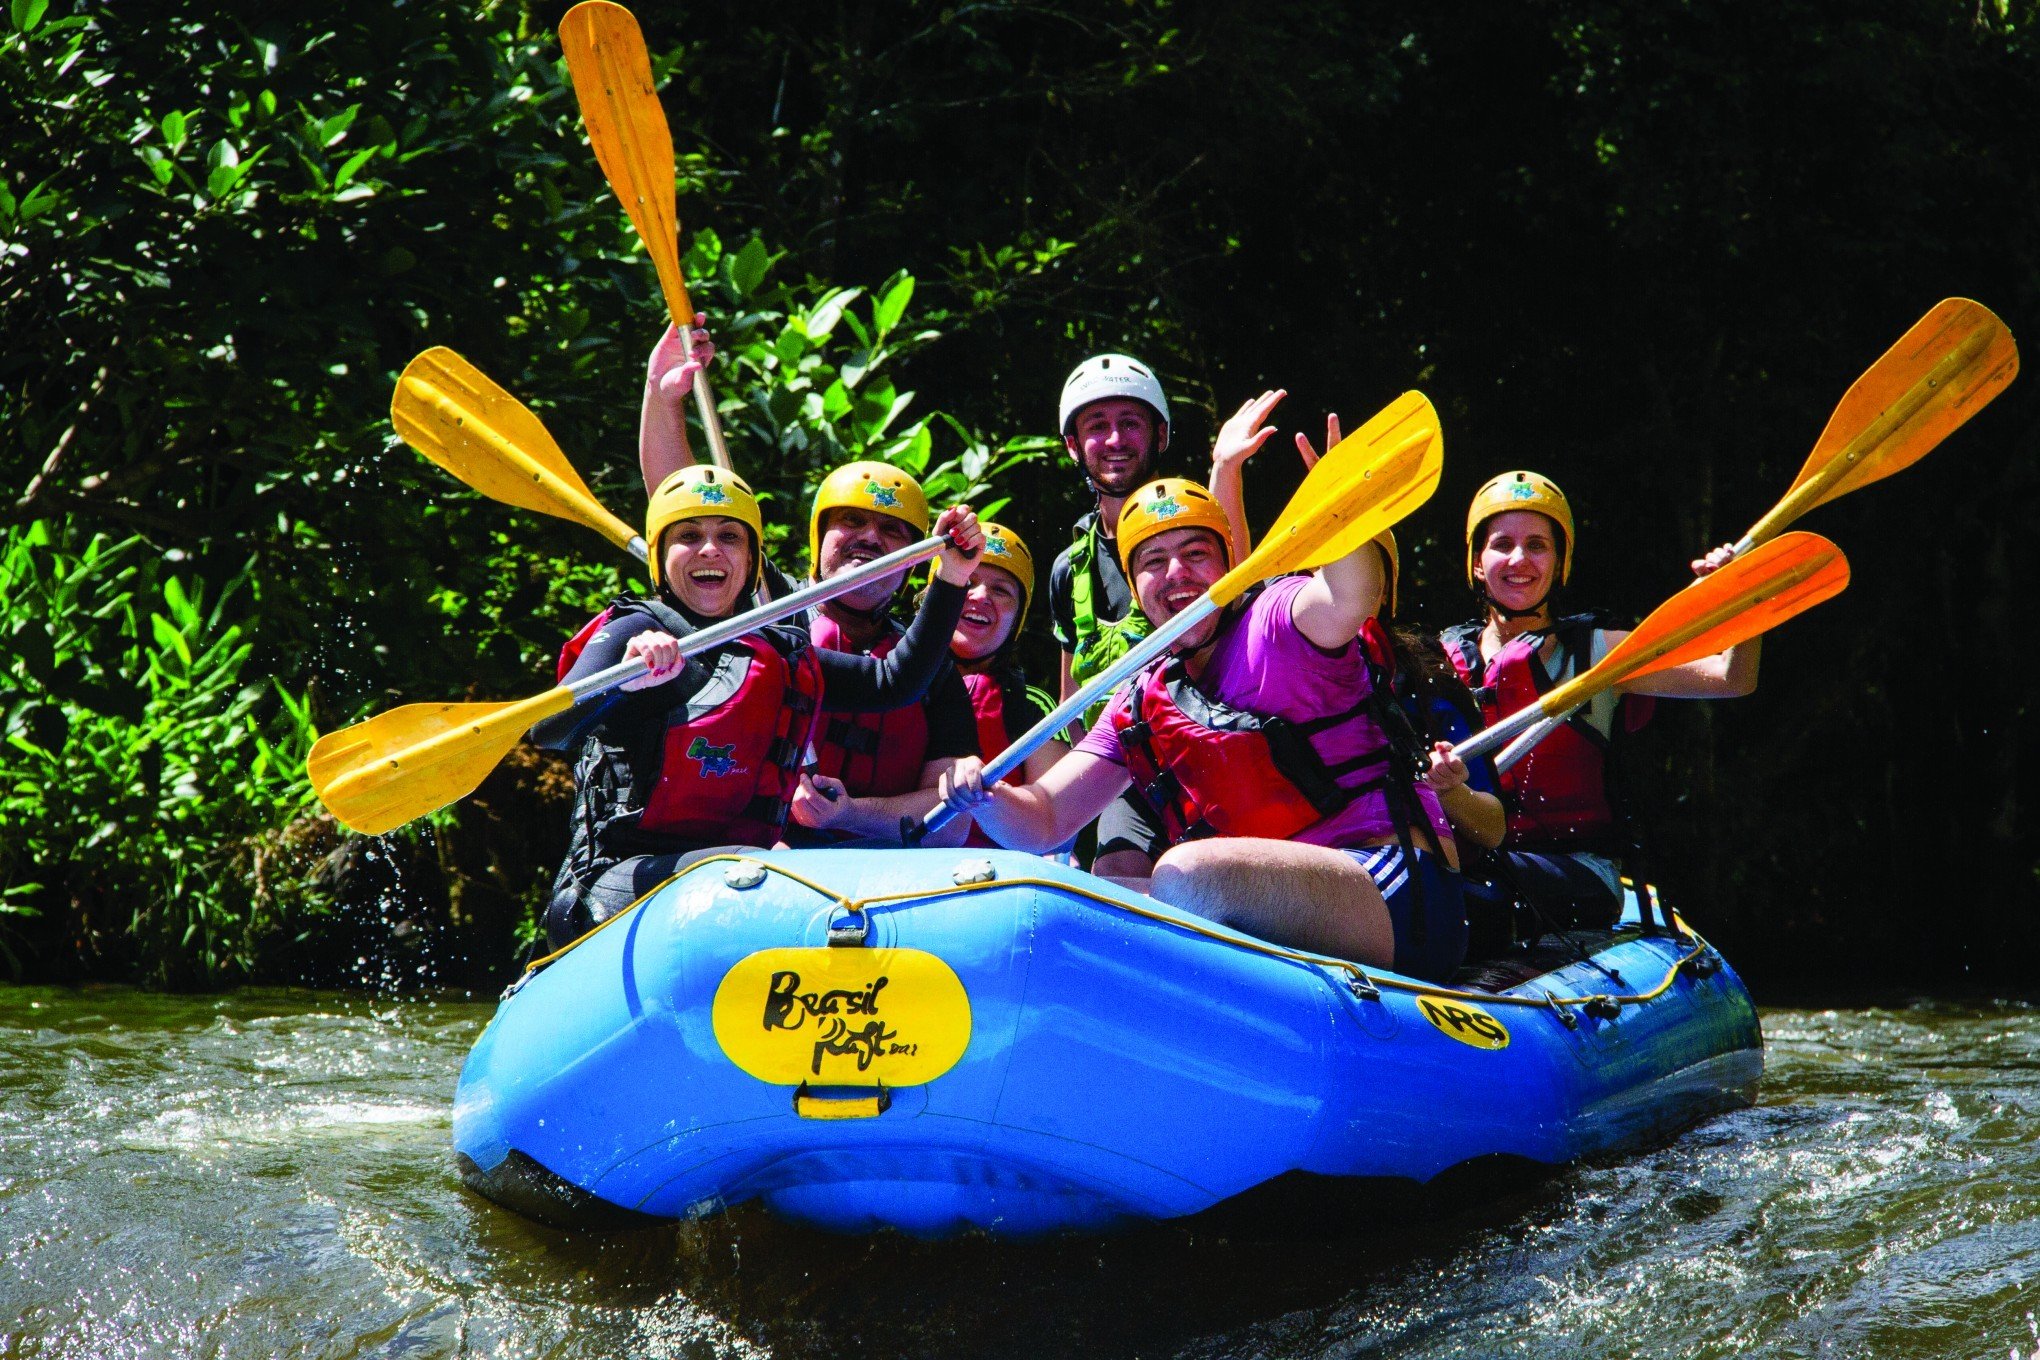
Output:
x=1643 y=248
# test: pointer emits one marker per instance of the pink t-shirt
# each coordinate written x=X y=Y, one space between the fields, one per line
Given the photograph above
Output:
x=1264 y=664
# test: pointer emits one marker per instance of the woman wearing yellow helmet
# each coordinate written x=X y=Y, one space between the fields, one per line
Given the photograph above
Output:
x=1565 y=831
x=984 y=646
x=705 y=751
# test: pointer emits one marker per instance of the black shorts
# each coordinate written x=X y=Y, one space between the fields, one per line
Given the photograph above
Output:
x=1130 y=824
x=570 y=915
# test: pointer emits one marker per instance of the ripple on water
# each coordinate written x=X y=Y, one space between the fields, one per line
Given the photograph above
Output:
x=268 y=1173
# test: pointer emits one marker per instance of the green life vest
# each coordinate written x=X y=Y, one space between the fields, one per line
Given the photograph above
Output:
x=1099 y=643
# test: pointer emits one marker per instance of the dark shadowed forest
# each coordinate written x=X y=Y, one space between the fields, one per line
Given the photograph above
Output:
x=1641 y=248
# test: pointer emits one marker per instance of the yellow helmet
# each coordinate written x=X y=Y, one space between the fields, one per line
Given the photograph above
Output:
x=1520 y=491
x=879 y=487
x=1007 y=550
x=699 y=492
x=1385 y=540
x=1165 y=504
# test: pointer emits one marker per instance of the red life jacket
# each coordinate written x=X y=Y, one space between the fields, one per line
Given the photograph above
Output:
x=728 y=758
x=571 y=649
x=988 y=701
x=733 y=752
x=1557 y=796
x=876 y=755
x=1212 y=770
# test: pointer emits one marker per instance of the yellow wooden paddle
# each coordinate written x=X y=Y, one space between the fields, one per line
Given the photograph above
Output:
x=1944 y=370
x=626 y=125
x=451 y=412
x=1366 y=483
x=398 y=766
x=1755 y=592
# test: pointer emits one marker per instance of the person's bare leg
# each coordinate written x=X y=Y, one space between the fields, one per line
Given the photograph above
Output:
x=1303 y=896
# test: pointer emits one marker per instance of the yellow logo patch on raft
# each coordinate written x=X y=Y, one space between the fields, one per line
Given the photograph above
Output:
x=842 y=1017
x=1464 y=1021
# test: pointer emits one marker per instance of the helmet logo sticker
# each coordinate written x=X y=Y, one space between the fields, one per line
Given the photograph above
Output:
x=996 y=546
x=1522 y=491
x=1165 y=507
x=882 y=496
x=711 y=494
x=716 y=761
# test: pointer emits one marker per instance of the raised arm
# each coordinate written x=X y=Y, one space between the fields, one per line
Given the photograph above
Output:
x=662 y=421
x=1339 y=597
x=1239 y=439
x=1725 y=675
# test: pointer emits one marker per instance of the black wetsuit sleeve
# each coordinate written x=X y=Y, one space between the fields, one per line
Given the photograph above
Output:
x=778 y=582
x=566 y=731
x=952 y=722
x=872 y=684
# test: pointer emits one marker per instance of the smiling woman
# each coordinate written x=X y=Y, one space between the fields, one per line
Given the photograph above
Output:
x=703 y=752
x=1566 y=835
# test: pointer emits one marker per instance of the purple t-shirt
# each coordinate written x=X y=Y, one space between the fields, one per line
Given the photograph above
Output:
x=1264 y=664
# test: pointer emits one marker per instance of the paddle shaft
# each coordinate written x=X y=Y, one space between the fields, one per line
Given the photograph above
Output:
x=1070 y=710
x=716 y=634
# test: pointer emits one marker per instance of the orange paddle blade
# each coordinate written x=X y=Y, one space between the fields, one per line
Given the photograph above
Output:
x=612 y=76
x=450 y=411
x=1944 y=370
x=1757 y=591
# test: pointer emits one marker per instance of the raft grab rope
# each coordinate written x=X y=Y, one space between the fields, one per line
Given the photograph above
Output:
x=1701 y=959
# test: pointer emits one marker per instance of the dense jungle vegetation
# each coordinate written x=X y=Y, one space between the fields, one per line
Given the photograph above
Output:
x=1643 y=248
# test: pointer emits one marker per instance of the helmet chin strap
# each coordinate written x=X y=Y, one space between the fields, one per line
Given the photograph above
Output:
x=1147 y=467
x=1498 y=607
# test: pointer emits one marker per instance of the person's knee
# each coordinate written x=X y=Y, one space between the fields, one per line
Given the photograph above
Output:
x=1181 y=876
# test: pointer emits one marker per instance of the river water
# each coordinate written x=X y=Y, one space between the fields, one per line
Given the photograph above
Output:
x=268 y=1173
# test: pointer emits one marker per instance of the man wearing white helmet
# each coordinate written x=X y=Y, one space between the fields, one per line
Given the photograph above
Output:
x=1114 y=420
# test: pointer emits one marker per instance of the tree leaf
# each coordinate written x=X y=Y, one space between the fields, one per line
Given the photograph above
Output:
x=892 y=302
x=747 y=270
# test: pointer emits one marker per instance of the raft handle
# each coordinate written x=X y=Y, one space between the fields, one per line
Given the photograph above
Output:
x=1603 y=1007
x=1362 y=986
x=841 y=1102
x=851 y=932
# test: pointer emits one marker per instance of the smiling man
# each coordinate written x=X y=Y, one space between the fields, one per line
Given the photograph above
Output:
x=1286 y=811
x=1114 y=421
x=871 y=769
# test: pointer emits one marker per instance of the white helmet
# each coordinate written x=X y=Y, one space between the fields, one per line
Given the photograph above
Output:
x=1113 y=375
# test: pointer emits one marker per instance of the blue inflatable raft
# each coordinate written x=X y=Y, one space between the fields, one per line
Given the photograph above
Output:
x=941 y=1041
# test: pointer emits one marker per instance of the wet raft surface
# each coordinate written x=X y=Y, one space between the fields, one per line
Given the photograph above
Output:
x=269 y=1173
